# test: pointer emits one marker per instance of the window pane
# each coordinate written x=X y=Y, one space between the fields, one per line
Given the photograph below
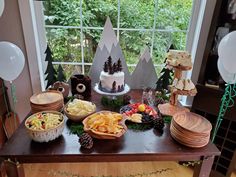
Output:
x=65 y=44
x=133 y=43
x=95 y=12
x=69 y=70
x=62 y=12
x=136 y=14
x=162 y=41
x=179 y=40
x=91 y=39
x=86 y=69
x=173 y=13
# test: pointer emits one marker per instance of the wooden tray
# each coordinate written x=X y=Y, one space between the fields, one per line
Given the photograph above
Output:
x=101 y=135
x=170 y=110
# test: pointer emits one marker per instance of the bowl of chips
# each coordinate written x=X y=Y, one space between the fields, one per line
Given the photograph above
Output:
x=77 y=109
x=105 y=125
x=45 y=126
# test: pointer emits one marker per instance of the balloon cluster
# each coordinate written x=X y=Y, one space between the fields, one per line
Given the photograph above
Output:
x=1 y=7
x=227 y=58
x=12 y=61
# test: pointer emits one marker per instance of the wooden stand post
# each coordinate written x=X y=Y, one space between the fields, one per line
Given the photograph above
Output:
x=174 y=96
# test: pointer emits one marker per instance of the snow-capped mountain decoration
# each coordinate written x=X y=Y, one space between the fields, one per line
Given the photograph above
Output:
x=144 y=74
x=108 y=37
x=108 y=46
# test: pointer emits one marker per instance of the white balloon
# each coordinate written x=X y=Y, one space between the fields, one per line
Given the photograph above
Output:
x=1 y=7
x=12 y=61
x=226 y=76
x=227 y=52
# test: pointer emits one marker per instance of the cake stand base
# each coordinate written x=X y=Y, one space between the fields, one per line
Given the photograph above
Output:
x=169 y=110
x=112 y=95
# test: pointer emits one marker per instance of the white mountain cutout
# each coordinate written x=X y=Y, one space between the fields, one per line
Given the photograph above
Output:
x=108 y=37
x=144 y=74
x=108 y=46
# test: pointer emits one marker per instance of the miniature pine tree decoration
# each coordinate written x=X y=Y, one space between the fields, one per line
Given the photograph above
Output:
x=114 y=86
x=105 y=67
x=110 y=67
x=60 y=74
x=159 y=85
x=114 y=67
x=119 y=65
x=50 y=71
x=109 y=61
x=165 y=80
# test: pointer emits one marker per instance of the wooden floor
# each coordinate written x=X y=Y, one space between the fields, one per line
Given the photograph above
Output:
x=121 y=169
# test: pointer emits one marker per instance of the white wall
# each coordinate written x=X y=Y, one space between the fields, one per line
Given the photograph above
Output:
x=11 y=30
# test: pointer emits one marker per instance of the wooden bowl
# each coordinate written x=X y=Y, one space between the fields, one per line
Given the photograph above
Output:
x=101 y=135
x=77 y=118
x=47 y=134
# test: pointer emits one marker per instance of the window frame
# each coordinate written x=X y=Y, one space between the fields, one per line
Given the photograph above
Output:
x=194 y=38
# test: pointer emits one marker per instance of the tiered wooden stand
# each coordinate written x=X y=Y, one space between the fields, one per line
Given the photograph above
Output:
x=172 y=107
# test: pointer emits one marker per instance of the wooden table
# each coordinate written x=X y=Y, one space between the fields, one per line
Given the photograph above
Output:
x=133 y=146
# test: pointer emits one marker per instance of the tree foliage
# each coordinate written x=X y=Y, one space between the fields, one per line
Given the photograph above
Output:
x=66 y=43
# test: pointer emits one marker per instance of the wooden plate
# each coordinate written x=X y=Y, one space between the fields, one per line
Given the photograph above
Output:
x=192 y=122
x=46 y=97
x=170 y=110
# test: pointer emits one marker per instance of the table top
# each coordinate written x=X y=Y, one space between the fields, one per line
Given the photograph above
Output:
x=146 y=145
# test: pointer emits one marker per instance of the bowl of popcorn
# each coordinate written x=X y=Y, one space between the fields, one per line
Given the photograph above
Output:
x=45 y=126
x=77 y=109
x=105 y=125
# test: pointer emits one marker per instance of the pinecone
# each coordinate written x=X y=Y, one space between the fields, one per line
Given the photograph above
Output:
x=86 y=141
x=159 y=100
x=158 y=124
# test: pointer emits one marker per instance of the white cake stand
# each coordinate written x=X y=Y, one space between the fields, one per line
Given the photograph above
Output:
x=112 y=95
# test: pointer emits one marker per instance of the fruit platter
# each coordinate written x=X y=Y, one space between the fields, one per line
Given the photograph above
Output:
x=139 y=113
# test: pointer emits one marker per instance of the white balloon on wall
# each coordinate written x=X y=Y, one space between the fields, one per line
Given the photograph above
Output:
x=12 y=61
x=227 y=52
x=1 y=7
x=228 y=77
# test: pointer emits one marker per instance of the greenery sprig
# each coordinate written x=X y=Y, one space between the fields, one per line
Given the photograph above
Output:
x=75 y=128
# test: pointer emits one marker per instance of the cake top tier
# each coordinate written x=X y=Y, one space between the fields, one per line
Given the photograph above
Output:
x=111 y=67
x=179 y=59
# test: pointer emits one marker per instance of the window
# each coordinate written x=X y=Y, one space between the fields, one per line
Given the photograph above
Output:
x=74 y=27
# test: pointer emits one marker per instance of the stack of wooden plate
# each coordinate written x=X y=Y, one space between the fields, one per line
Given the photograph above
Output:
x=190 y=129
x=47 y=101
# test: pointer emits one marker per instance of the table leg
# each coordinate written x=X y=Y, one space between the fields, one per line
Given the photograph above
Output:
x=14 y=169
x=204 y=169
x=2 y=170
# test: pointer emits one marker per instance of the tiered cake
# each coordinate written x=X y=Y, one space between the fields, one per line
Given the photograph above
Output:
x=112 y=78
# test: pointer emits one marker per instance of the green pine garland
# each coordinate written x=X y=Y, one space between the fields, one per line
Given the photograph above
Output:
x=114 y=104
x=226 y=102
